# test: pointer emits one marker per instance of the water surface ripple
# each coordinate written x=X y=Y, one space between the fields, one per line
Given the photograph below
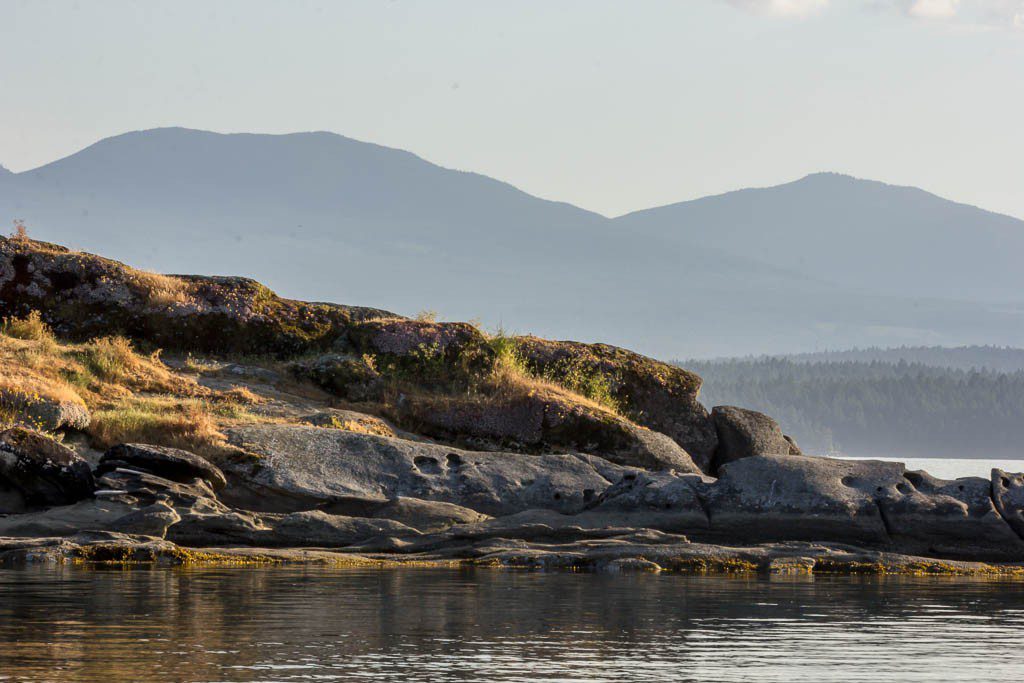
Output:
x=279 y=624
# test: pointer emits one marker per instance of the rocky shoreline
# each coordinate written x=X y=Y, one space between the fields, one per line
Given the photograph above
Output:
x=360 y=438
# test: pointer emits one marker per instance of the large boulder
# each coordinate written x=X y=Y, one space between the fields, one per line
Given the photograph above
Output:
x=170 y=463
x=36 y=472
x=543 y=421
x=743 y=433
x=83 y=296
x=42 y=413
x=656 y=395
x=303 y=468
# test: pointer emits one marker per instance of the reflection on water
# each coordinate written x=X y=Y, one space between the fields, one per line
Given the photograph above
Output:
x=70 y=624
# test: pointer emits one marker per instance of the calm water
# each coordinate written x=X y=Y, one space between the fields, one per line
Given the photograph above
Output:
x=951 y=468
x=71 y=624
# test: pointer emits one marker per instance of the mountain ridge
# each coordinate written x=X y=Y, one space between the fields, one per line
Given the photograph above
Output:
x=320 y=216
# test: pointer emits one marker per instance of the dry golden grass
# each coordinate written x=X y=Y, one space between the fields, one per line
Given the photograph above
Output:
x=187 y=423
x=31 y=327
x=131 y=396
x=162 y=290
x=510 y=379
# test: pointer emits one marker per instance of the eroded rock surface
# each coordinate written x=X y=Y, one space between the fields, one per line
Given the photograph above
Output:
x=306 y=466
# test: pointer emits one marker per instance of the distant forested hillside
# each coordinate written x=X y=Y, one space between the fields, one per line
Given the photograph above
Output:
x=876 y=407
x=998 y=358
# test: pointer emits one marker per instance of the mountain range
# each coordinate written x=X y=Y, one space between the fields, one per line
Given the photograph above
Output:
x=827 y=261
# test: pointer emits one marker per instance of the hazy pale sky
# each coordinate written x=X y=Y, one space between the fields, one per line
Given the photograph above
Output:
x=613 y=106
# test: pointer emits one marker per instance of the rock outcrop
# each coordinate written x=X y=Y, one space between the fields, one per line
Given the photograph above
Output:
x=37 y=472
x=544 y=421
x=169 y=463
x=83 y=296
x=306 y=468
x=659 y=396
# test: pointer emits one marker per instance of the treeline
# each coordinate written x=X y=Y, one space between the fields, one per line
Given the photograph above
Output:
x=998 y=358
x=871 y=408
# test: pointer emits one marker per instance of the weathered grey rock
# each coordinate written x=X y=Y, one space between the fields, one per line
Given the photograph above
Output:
x=152 y=520
x=794 y=449
x=653 y=500
x=426 y=515
x=204 y=520
x=1008 y=496
x=66 y=520
x=956 y=518
x=44 y=414
x=743 y=433
x=775 y=497
x=790 y=497
x=36 y=471
x=170 y=463
x=321 y=530
x=302 y=468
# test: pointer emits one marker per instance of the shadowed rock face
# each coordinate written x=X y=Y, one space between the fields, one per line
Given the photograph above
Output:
x=83 y=296
x=170 y=463
x=36 y=471
x=656 y=395
x=544 y=423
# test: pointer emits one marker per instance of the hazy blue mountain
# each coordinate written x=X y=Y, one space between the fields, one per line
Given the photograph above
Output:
x=320 y=216
x=856 y=233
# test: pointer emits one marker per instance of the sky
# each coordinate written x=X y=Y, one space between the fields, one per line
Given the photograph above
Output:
x=613 y=106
